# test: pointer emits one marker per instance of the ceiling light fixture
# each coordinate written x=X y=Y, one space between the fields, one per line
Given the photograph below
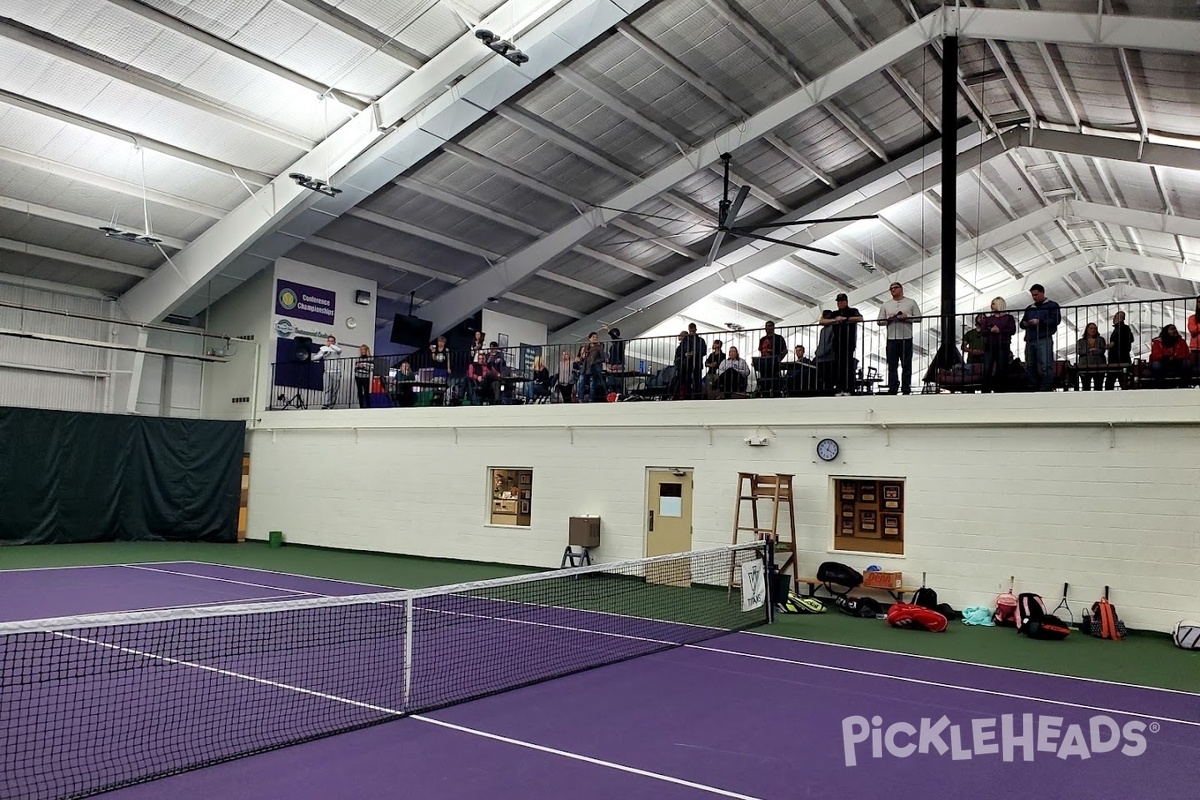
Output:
x=130 y=236
x=501 y=47
x=316 y=184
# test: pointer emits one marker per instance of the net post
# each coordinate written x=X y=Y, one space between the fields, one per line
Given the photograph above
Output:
x=405 y=699
x=771 y=570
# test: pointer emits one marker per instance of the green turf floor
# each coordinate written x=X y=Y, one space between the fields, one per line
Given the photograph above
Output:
x=1148 y=659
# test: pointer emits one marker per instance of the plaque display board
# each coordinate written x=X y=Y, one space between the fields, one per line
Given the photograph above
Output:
x=512 y=496
x=869 y=515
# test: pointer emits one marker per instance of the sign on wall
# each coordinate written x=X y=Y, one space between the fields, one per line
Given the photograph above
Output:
x=304 y=302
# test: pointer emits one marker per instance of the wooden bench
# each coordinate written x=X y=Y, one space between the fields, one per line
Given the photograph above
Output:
x=897 y=593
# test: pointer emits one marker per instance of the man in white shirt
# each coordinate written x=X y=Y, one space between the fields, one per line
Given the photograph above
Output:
x=898 y=314
x=331 y=354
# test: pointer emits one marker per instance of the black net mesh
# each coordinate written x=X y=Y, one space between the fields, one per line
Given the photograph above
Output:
x=96 y=703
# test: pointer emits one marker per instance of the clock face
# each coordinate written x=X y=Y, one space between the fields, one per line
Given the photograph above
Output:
x=827 y=449
x=351 y=323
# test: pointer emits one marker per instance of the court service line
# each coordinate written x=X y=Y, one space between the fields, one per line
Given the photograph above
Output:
x=92 y=566
x=294 y=575
x=222 y=580
x=940 y=685
x=974 y=664
x=419 y=717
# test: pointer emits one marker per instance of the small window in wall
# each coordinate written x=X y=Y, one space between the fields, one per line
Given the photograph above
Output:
x=512 y=496
x=869 y=515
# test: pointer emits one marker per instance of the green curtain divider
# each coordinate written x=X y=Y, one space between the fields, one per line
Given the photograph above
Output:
x=69 y=477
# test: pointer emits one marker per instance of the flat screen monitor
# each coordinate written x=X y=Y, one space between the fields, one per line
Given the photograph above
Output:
x=411 y=331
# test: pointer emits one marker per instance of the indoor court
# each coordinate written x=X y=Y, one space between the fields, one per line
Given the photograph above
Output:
x=743 y=715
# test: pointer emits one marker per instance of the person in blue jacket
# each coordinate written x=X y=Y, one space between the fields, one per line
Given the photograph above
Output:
x=1040 y=321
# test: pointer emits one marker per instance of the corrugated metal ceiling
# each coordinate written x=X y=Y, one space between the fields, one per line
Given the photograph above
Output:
x=733 y=47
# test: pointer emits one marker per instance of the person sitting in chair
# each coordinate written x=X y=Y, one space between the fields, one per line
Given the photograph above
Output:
x=1170 y=358
x=732 y=374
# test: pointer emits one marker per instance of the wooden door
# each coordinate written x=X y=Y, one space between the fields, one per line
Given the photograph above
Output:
x=669 y=523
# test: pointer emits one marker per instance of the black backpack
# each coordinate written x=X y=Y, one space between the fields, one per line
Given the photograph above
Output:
x=831 y=572
x=1035 y=621
x=864 y=607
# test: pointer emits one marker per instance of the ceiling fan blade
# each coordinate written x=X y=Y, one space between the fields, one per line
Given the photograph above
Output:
x=786 y=243
x=718 y=240
x=735 y=207
x=730 y=215
x=815 y=221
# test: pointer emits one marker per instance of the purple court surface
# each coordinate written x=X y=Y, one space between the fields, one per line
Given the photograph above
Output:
x=746 y=715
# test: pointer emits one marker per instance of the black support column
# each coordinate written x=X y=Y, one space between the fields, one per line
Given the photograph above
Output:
x=949 y=190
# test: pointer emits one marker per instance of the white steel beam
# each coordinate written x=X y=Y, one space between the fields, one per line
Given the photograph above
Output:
x=874 y=193
x=1098 y=145
x=148 y=12
x=73 y=258
x=391 y=262
x=400 y=226
x=455 y=305
x=353 y=28
x=131 y=76
x=104 y=129
x=71 y=218
x=1176 y=35
x=111 y=184
x=451 y=92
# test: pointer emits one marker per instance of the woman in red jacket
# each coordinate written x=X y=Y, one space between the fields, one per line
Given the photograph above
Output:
x=1193 y=326
x=1169 y=357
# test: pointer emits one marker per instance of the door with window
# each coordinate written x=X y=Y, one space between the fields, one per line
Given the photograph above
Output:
x=669 y=523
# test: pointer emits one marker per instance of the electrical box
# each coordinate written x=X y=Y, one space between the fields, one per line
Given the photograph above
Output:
x=584 y=532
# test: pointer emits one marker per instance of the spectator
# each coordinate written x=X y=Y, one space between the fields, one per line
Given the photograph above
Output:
x=1120 y=351
x=972 y=341
x=1089 y=353
x=614 y=359
x=478 y=345
x=689 y=362
x=998 y=330
x=801 y=374
x=591 y=370
x=331 y=354
x=711 y=365
x=565 y=369
x=481 y=380
x=540 y=385
x=732 y=374
x=843 y=341
x=402 y=393
x=898 y=314
x=1040 y=322
x=364 y=370
x=439 y=357
x=1170 y=358
x=1193 y=326
x=772 y=349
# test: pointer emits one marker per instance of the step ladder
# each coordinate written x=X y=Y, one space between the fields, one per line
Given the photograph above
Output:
x=777 y=489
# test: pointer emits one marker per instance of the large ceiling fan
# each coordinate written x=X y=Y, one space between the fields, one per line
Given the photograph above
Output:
x=727 y=227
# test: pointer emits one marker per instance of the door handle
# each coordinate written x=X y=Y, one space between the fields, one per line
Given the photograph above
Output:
x=652 y=519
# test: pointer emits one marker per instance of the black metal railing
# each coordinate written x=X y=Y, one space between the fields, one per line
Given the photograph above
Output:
x=985 y=352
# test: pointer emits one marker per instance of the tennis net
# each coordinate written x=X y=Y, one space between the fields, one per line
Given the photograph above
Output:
x=90 y=704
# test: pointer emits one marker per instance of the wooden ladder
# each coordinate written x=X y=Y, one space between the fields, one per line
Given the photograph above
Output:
x=778 y=490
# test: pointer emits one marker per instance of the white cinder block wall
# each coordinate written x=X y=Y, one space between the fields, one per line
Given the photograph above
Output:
x=1088 y=489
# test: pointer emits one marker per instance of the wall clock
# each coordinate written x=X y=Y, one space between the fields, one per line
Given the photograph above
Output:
x=828 y=449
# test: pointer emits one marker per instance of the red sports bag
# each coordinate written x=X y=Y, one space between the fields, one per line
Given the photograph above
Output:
x=908 y=615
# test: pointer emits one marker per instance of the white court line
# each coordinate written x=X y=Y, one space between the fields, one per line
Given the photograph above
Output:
x=974 y=664
x=223 y=580
x=69 y=566
x=420 y=718
x=940 y=685
x=294 y=575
